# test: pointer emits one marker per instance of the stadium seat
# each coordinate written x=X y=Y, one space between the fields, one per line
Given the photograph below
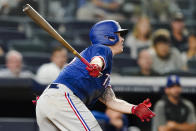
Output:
x=192 y=64
x=18 y=124
x=11 y=34
x=8 y=24
x=33 y=60
x=120 y=63
x=42 y=35
x=28 y=45
x=2 y=60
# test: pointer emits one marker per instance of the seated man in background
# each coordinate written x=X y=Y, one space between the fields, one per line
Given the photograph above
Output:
x=179 y=35
x=165 y=59
x=173 y=112
x=145 y=64
x=117 y=122
x=100 y=9
x=49 y=71
x=14 y=64
x=7 y=5
x=111 y=120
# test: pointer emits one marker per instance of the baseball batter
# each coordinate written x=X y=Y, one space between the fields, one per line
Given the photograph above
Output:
x=63 y=105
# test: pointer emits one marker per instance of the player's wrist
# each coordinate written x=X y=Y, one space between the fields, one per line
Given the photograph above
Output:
x=94 y=70
x=133 y=109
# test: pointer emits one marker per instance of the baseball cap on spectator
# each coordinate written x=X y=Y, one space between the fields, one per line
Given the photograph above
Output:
x=161 y=35
x=178 y=16
x=173 y=80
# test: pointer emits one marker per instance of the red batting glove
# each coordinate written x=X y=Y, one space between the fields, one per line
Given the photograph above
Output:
x=94 y=70
x=142 y=110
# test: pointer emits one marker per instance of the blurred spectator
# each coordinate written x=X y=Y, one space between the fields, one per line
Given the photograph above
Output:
x=140 y=37
x=174 y=113
x=49 y=71
x=17 y=11
x=145 y=64
x=165 y=59
x=55 y=9
x=111 y=120
x=14 y=7
x=66 y=8
x=7 y=5
x=100 y=9
x=178 y=32
x=161 y=10
x=191 y=53
x=116 y=121
x=14 y=64
x=1 y=51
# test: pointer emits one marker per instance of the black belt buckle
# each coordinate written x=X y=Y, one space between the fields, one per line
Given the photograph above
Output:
x=54 y=86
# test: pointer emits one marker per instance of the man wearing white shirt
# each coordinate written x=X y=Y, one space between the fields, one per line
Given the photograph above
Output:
x=14 y=66
x=49 y=71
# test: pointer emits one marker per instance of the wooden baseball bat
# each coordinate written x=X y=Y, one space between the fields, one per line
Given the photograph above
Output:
x=38 y=19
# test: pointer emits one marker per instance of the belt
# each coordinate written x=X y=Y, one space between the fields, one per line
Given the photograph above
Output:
x=54 y=86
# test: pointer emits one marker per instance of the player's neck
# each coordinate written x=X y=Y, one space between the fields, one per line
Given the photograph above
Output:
x=114 y=50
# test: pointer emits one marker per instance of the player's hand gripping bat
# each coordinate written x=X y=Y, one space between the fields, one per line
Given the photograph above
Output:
x=38 y=19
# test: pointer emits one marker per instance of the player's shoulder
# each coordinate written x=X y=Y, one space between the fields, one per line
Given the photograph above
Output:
x=188 y=103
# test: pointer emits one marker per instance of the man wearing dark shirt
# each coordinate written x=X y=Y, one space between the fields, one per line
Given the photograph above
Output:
x=173 y=112
x=178 y=37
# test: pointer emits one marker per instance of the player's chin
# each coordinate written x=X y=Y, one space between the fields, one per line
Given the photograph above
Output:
x=120 y=51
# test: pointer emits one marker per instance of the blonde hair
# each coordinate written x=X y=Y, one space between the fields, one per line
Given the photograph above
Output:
x=136 y=27
x=163 y=32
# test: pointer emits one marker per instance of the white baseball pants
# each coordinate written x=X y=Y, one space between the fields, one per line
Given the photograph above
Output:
x=58 y=109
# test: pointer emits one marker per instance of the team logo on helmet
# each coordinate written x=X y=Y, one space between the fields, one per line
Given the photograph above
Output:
x=103 y=31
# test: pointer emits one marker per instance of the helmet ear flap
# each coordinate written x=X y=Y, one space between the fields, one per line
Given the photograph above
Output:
x=113 y=38
x=109 y=37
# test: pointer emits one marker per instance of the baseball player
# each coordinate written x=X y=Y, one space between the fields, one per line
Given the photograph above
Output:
x=63 y=104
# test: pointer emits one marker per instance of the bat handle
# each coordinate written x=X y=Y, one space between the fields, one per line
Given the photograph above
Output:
x=85 y=62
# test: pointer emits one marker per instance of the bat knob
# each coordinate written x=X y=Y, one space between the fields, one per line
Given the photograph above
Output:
x=26 y=7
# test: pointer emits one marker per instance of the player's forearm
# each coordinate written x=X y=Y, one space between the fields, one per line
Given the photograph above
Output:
x=97 y=60
x=142 y=110
x=120 y=105
x=110 y=100
x=185 y=127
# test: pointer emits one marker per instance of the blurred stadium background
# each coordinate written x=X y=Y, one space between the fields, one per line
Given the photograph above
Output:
x=69 y=17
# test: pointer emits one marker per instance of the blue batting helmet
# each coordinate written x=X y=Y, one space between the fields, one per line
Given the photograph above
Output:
x=103 y=31
x=173 y=80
